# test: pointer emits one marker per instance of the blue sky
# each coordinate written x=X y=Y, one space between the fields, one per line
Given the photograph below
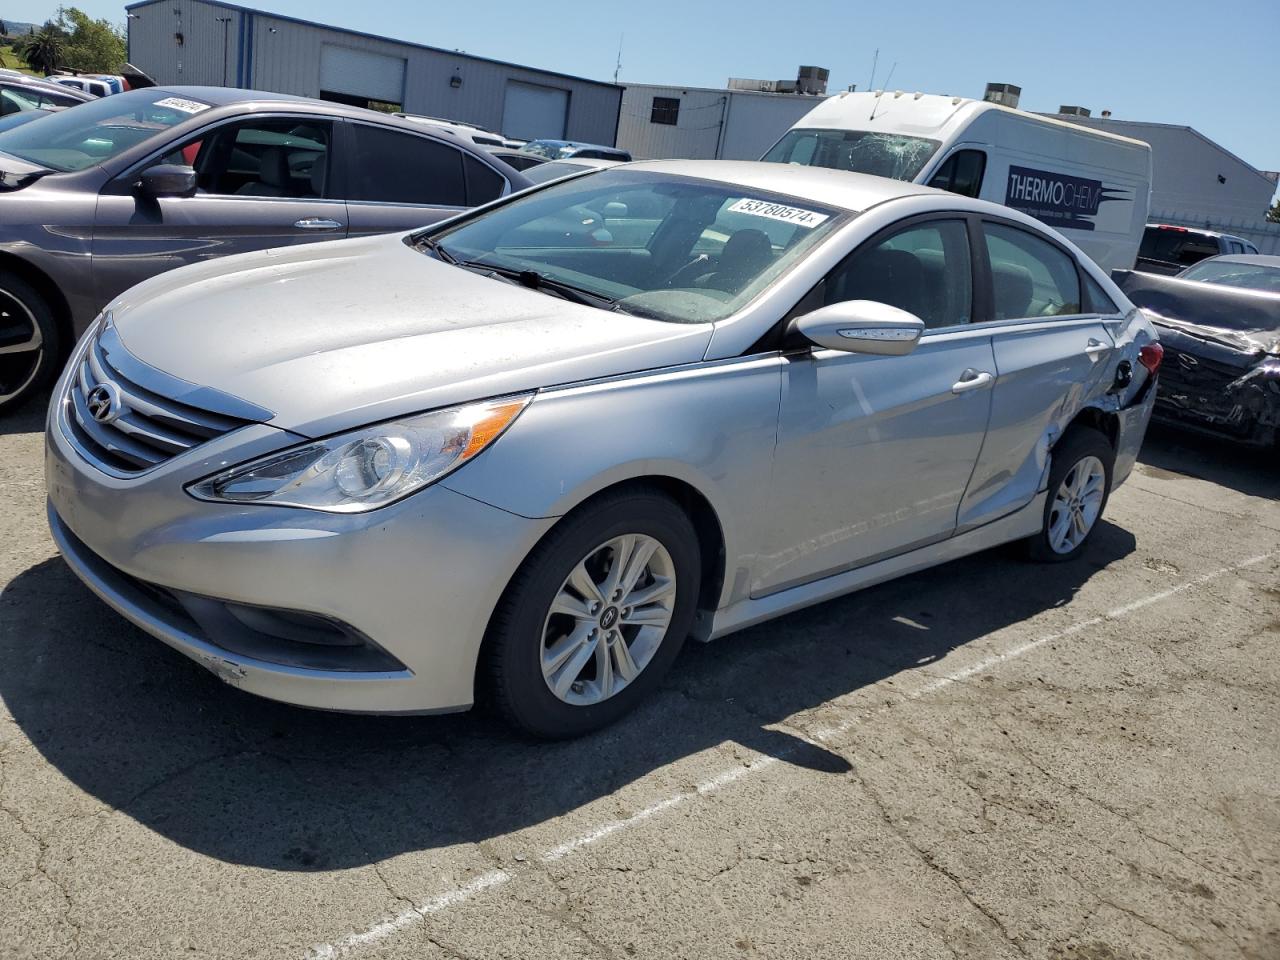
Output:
x=1211 y=66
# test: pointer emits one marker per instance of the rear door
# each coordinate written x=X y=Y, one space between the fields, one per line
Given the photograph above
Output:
x=398 y=180
x=874 y=453
x=263 y=182
x=1052 y=350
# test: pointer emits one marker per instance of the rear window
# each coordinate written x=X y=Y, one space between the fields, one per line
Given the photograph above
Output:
x=891 y=155
x=1177 y=246
x=1233 y=273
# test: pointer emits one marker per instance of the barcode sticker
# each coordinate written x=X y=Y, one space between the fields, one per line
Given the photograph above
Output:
x=777 y=211
x=186 y=106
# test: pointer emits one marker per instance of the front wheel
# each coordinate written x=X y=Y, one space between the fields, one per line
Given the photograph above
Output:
x=29 y=346
x=595 y=616
x=1079 y=485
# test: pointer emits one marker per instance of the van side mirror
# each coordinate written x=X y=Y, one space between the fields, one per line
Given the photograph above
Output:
x=861 y=326
x=167 y=180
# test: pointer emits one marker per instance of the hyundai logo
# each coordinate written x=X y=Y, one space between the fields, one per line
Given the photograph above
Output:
x=1187 y=362
x=103 y=402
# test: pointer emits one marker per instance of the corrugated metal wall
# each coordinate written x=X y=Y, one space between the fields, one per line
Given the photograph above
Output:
x=283 y=56
x=712 y=124
x=199 y=58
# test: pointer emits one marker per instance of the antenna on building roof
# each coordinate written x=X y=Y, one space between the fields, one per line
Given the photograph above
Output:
x=618 y=67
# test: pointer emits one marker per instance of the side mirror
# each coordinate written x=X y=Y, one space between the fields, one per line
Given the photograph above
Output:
x=167 y=180
x=861 y=326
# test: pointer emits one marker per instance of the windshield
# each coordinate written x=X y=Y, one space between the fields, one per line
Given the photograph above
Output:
x=550 y=149
x=670 y=248
x=1228 y=273
x=98 y=130
x=862 y=151
x=1177 y=245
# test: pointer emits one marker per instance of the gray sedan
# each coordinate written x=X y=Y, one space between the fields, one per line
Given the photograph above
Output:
x=98 y=198
x=525 y=454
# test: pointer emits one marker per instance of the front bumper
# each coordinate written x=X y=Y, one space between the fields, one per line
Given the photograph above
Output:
x=419 y=578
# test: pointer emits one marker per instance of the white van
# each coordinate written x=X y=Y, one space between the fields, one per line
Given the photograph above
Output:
x=1094 y=187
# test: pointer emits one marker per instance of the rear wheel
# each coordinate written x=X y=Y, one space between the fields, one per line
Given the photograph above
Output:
x=1079 y=485
x=595 y=616
x=29 y=341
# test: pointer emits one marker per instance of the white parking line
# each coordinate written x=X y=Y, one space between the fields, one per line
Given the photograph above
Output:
x=417 y=913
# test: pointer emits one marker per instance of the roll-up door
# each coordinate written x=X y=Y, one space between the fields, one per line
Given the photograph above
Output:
x=359 y=73
x=534 y=112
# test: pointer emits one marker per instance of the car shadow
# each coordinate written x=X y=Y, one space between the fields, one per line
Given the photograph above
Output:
x=1248 y=470
x=28 y=417
x=247 y=781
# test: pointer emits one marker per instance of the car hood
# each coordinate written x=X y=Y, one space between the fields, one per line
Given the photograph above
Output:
x=334 y=335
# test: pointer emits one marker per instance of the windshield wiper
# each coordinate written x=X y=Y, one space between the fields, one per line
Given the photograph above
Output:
x=422 y=241
x=538 y=281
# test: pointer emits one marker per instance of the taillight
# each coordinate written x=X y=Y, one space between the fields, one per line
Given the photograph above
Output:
x=1150 y=356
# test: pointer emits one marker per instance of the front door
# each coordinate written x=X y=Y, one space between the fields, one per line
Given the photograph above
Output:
x=262 y=183
x=874 y=453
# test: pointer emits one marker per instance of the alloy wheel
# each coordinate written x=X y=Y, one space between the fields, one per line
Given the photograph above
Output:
x=608 y=619
x=21 y=347
x=1076 y=504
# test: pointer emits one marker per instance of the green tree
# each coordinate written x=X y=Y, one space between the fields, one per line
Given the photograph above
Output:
x=1274 y=213
x=43 y=49
x=91 y=46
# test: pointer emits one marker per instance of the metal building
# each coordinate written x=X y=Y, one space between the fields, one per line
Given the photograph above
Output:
x=659 y=122
x=203 y=42
x=1193 y=178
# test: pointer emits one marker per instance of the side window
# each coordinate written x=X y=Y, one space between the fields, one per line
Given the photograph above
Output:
x=483 y=182
x=388 y=166
x=1096 y=299
x=1030 y=277
x=282 y=157
x=961 y=173
x=1236 y=246
x=923 y=269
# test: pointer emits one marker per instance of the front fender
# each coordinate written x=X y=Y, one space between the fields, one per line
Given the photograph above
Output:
x=712 y=426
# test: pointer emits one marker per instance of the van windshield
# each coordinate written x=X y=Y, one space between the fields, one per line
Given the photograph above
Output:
x=889 y=155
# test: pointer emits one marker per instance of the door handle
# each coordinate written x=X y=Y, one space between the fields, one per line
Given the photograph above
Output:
x=1095 y=348
x=317 y=223
x=972 y=379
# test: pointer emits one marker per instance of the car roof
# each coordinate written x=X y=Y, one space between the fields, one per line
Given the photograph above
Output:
x=1203 y=231
x=1255 y=259
x=37 y=83
x=586 y=162
x=220 y=97
x=840 y=188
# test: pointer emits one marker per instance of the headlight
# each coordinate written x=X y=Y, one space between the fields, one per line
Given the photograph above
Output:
x=367 y=468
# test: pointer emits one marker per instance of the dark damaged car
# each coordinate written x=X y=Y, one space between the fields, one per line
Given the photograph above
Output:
x=1219 y=322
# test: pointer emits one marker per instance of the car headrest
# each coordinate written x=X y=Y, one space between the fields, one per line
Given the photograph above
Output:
x=274 y=167
x=1012 y=289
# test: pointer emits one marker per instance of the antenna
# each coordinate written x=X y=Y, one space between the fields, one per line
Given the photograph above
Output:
x=618 y=67
x=874 y=61
x=876 y=105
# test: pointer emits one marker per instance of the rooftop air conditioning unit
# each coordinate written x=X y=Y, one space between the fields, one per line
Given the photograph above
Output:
x=1005 y=94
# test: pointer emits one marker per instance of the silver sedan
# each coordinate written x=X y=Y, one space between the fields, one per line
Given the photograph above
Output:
x=524 y=454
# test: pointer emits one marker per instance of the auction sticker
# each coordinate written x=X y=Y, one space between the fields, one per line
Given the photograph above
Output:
x=777 y=211
x=186 y=106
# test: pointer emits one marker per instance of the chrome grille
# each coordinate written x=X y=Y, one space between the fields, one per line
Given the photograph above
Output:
x=149 y=428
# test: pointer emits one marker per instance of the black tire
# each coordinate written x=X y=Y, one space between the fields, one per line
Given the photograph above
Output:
x=21 y=375
x=1078 y=442
x=513 y=682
